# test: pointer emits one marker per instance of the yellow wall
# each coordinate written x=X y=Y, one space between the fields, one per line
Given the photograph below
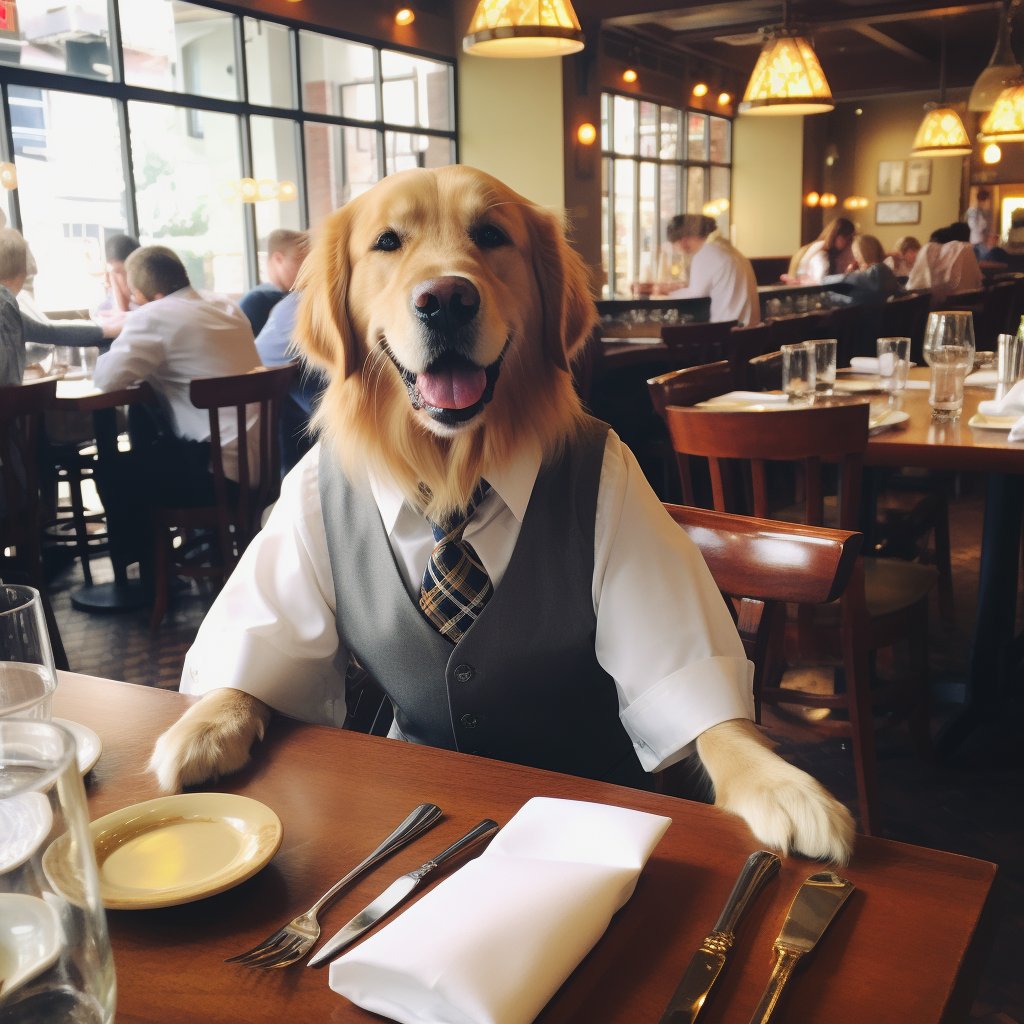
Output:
x=766 y=184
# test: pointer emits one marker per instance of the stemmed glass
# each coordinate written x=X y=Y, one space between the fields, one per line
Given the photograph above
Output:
x=949 y=350
x=27 y=675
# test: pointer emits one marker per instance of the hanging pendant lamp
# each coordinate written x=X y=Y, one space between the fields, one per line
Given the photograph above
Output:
x=941 y=132
x=523 y=28
x=1002 y=67
x=1005 y=121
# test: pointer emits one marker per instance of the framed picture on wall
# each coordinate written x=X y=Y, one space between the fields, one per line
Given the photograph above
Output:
x=918 y=177
x=900 y=211
x=890 y=177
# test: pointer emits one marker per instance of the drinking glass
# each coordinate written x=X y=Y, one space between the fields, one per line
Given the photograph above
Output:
x=27 y=675
x=951 y=328
x=824 y=350
x=1009 y=361
x=798 y=371
x=893 y=364
x=53 y=929
x=74 y=362
x=946 y=391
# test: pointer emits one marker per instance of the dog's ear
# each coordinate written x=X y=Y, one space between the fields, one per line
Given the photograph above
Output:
x=569 y=313
x=323 y=328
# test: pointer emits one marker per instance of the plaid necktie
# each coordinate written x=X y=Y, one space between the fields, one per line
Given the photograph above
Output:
x=455 y=586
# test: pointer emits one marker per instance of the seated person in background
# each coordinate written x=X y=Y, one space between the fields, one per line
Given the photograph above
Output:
x=16 y=328
x=173 y=337
x=901 y=262
x=117 y=301
x=829 y=253
x=945 y=265
x=717 y=270
x=275 y=348
x=979 y=218
x=991 y=255
x=285 y=252
x=873 y=281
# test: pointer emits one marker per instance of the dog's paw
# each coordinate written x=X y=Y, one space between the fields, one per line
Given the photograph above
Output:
x=785 y=807
x=212 y=738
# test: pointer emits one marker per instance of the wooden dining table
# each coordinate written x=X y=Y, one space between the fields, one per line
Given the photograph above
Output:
x=907 y=947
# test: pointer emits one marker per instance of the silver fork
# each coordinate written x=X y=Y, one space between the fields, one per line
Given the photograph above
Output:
x=291 y=943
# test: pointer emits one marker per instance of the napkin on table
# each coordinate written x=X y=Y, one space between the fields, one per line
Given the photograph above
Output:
x=493 y=942
x=1011 y=404
x=748 y=397
x=864 y=364
x=981 y=378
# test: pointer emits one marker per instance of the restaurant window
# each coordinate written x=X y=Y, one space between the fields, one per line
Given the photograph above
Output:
x=657 y=161
x=266 y=124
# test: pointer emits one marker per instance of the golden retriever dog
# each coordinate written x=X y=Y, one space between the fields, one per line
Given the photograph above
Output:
x=446 y=311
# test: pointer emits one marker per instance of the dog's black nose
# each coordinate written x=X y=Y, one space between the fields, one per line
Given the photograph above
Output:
x=445 y=303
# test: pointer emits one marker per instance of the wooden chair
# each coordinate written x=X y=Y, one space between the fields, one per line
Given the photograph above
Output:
x=906 y=317
x=235 y=515
x=698 y=343
x=764 y=373
x=896 y=593
x=762 y=567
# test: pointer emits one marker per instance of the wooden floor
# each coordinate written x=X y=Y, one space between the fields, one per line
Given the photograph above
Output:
x=973 y=804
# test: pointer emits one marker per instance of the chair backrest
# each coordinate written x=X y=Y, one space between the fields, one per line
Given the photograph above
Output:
x=797 y=327
x=690 y=385
x=807 y=437
x=698 y=343
x=764 y=373
x=21 y=415
x=906 y=317
x=263 y=388
x=745 y=344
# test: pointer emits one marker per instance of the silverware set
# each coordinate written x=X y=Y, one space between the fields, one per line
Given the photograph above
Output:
x=294 y=940
x=816 y=903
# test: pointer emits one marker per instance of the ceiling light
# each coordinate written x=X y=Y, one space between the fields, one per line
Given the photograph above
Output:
x=523 y=28
x=629 y=76
x=1005 y=121
x=404 y=16
x=700 y=89
x=855 y=203
x=8 y=176
x=724 y=99
x=991 y=154
x=941 y=132
x=1001 y=69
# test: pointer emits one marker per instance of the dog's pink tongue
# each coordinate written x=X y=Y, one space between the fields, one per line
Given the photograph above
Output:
x=456 y=388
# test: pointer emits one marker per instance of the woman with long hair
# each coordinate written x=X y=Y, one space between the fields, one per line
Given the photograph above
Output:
x=829 y=253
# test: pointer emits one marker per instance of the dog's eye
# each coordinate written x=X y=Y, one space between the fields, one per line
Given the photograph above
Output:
x=487 y=236
x=388 y=241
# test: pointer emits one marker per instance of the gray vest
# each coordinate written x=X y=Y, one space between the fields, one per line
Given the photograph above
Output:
x=523 y=684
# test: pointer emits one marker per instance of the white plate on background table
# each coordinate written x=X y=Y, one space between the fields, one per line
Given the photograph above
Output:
x=30 y=940
x=609 y=340
x=176 y=849
x=87 y=744
x=852 y=387
x=887 y=420
x=979 y=419
x=25 y=821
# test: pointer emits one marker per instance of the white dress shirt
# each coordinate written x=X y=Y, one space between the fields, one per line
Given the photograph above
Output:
x=172 y=341
x=719 y=270
x=945 y=268
x=663 y=633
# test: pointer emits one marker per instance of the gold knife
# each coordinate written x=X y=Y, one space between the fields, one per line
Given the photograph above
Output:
x=816 y=903
x=707 y=963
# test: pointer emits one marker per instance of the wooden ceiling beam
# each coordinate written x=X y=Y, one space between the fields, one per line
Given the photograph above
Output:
x=883 y=39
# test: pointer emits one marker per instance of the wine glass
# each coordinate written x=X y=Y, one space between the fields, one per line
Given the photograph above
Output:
x=950 y=329
x=27 y=675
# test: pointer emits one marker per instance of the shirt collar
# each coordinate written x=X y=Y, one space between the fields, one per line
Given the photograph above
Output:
x=512 y=482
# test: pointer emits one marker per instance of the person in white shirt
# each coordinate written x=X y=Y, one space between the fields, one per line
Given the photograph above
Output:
x=174 y=336
x=945 y=265
x=718 y=270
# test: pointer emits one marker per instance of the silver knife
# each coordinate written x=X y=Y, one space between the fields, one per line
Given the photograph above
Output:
x=707 y=963
x=396 y=892
x=817 y=902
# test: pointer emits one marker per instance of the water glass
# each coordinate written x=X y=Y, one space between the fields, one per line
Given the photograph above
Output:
x=27 y=675
x=949 y=328
x=946 y=392
x=824 y=350
x=893 y=364
x=54 y=947
x=73 y=362
x=1009 y=360
x=798 y=371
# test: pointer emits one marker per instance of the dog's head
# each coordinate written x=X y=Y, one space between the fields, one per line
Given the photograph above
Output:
x=446 y=310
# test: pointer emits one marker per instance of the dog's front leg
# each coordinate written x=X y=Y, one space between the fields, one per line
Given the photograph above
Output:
x=784 y=806
x=212 y=738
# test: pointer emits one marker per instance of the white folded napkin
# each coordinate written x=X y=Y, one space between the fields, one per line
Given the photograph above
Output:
x=864 y=364
x=493 y=942
x=747 y=398
x=980 y=378
x=1011 y=404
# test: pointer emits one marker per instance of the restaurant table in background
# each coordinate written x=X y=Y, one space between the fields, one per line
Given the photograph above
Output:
x=83 y=396
x=958 y=447
x=907 y=948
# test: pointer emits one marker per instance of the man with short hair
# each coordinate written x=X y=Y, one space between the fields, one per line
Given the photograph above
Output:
x=285 y=252
x=173 y=337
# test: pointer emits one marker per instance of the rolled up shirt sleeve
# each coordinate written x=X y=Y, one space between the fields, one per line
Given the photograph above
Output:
x=271 y=631
x=664 y=633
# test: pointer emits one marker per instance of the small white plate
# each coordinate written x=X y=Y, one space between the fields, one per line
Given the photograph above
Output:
x=25 y=821
x=979 y=419
x=632 y=340
x=30 y=939
x=177 y=849
x=88 y=744
x=852 y=387
x=887 y=420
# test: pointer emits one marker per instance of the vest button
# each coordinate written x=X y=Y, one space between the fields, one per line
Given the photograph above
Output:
x=464 y=672
x=469 y=721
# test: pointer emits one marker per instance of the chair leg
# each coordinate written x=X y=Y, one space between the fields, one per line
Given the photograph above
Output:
x=74 y=479
x=943 y=564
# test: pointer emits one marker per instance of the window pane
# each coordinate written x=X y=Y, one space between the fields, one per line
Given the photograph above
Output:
x=721 y=139
x=648 y=129
x=648 y=222
x=694 y=189
x=173 y=45
x=275 y=163
x=720 y=177
x=63 y=38
x=624 y=119
x=403 y=150
x=268 y=64
x=417 y=92
x=607 y=252
x=337 y=77
x=671 y=203
x=606 y=139
x=697 y=136
x=68 y=204
x=670 y=134
x=187 y=170
x=625 y=226
x=341 y=163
